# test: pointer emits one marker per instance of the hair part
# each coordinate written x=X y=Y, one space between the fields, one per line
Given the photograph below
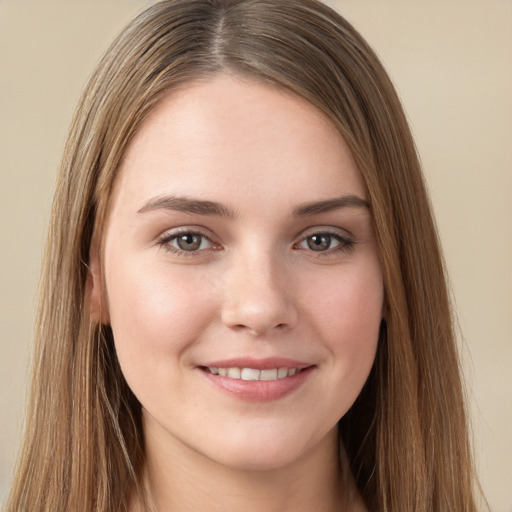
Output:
x=406 y=435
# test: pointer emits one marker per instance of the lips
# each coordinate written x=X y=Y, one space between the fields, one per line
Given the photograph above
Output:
x=254 y=373
x=257 y=380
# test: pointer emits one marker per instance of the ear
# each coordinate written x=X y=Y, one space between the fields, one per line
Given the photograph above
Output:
x=95 y=286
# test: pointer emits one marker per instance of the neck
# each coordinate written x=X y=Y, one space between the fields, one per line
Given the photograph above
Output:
x=179 y=478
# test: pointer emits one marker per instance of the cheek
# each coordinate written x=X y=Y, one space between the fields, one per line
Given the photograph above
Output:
x=351 y=301
x=347 y=313
x=155 y=315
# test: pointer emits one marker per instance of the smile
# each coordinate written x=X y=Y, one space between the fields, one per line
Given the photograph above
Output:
x=254 y=374
x=257 y=380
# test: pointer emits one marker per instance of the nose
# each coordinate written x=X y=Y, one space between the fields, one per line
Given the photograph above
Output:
x=258 y=296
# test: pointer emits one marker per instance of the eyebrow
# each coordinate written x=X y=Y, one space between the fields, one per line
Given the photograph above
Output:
x=188 y=205
x=202 y=207
x=328 y=205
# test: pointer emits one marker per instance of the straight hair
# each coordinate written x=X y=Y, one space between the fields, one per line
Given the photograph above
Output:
x=406 y=436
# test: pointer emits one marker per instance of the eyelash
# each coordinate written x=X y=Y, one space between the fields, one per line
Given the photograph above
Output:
x=165 y=240
x=345 y=244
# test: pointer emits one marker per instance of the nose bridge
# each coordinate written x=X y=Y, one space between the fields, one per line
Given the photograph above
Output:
x=257 y=295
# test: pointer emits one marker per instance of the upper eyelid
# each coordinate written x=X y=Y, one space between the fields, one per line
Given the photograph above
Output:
x=345 y=240
x=174 y=232
x=344 y=244
x=164 y=240
x=326 y=230
x=171 y=233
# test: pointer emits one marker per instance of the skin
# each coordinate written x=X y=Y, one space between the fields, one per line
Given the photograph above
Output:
x=254 y=287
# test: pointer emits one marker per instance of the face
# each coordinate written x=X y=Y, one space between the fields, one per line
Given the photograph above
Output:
x=242 y=279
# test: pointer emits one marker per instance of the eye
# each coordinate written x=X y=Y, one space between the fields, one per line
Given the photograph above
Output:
x=186 y=241
x=320 y=242
x=325 y=242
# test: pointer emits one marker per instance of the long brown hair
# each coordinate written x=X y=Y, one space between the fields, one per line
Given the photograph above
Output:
x=406 y=436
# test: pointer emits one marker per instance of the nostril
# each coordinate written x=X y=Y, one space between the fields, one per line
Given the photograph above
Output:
x=260 y=312
x=258 y=329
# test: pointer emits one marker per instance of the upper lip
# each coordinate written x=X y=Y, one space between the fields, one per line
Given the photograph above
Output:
x=267 y=363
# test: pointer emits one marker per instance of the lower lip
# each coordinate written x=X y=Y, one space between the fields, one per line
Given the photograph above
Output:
x=259 y=390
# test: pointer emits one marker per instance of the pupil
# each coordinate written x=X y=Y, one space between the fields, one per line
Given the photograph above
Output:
x=319 y=242
x=189 y=242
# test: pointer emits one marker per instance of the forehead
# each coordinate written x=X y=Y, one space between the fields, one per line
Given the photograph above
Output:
x=229 y=137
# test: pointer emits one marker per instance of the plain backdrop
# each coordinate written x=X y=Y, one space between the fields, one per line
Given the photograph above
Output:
x=452 y=64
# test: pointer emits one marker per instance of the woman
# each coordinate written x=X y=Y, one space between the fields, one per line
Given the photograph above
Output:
x=243 y=298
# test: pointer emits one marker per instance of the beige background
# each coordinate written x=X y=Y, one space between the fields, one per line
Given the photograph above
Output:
x=452 y=64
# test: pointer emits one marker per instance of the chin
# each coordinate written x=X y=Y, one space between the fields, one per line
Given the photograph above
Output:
x=267 y=451
x=258 y=460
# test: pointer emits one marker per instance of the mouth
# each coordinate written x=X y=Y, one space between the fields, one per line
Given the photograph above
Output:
x=258 y=380
x=247 y=374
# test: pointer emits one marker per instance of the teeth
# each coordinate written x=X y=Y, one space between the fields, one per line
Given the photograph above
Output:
x=234 y=373
x=253 y=374
x=268 y=374
x=250 y=374
x=282 y=373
